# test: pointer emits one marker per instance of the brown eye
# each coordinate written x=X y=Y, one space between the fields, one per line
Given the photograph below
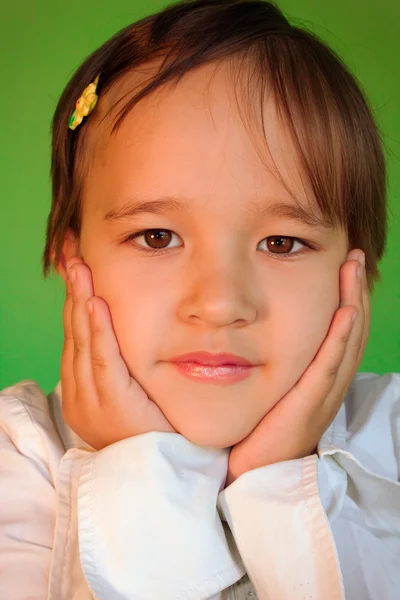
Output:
x=157 y=238
x=156 y=241
x=283 y=247
x=153 y=241
x=280 y=245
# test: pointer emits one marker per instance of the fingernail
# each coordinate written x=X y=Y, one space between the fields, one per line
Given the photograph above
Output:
x=361 y=258
x=360 y=271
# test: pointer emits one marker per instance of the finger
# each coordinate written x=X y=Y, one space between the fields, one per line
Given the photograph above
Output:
x=82 y=290
x=367 y=316
x=336 y=363
x=67 y=354
x=352 y=293
x=318 y=380
x=111 y=376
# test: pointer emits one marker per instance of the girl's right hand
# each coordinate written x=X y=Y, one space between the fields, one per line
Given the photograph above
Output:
x=101 y=402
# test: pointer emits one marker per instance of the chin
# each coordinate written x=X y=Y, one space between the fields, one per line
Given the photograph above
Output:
x=212 y=439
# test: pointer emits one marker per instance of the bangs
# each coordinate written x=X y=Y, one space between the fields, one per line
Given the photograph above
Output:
x=319 y=102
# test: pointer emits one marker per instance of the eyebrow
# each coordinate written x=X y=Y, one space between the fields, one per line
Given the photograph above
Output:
x=275 y=209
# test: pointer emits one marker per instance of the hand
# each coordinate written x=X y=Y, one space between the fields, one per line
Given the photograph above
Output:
x=295 y=425
x=101 y=402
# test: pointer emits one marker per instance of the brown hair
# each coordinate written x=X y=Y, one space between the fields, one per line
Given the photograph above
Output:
x=322 y=103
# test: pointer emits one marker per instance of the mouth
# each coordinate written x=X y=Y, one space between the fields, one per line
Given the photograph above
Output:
x=214 y=368
x=213 y=360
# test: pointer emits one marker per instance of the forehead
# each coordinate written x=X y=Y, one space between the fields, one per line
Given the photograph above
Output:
x=191 y=140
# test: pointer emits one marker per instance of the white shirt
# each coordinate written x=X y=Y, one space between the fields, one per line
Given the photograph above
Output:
x=147 y=518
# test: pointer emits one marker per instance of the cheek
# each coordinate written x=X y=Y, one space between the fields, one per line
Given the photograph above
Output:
x=140 y=320
x=304 y=322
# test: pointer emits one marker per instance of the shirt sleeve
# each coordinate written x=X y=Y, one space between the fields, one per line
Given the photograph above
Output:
x=328 y=526
x=146 y=519
x=282 y=531
x=27 y=506
x=137 y=519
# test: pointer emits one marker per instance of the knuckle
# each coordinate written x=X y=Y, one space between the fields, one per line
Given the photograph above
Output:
x=80 y=344
x=68 y=331
x=344 y=338
x=99 y=362
x=68 y=338
x=333 y=370
x=97 y=330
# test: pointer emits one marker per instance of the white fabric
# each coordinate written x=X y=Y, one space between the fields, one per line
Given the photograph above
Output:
x=148 y=518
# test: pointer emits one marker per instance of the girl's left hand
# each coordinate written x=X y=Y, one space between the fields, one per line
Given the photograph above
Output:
x=295 y=425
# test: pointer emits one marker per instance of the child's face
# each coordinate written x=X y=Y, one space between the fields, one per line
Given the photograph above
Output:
x=219 y=288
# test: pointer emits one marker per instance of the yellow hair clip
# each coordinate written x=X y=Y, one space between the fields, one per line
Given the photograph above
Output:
x=85 y=104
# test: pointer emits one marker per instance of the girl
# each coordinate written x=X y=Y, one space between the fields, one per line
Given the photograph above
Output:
x=210 y=437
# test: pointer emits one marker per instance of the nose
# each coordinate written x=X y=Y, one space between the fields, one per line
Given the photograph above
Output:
x=219 y=294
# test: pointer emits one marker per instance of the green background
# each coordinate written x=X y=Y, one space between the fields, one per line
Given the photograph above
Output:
x=41 y=44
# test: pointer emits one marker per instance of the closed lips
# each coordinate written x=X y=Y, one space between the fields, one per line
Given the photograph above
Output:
x=212 y=360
